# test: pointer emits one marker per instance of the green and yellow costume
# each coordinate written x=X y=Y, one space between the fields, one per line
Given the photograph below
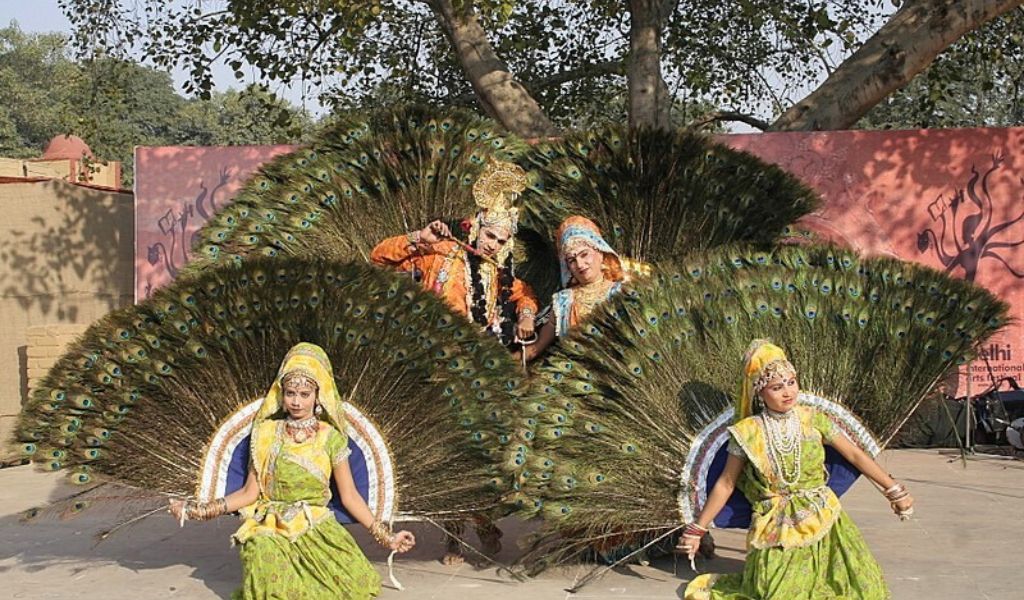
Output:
x=801 y=544
x=291 y=544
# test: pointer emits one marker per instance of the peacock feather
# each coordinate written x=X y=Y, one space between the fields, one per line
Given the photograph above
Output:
x=138 y=398
x=661 y=194
x=619 y=404
x=370 y=176
x=364 y=177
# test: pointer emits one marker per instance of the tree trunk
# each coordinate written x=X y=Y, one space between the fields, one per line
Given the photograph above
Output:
x=901 y=49
x=649 y=101
x=500 y=95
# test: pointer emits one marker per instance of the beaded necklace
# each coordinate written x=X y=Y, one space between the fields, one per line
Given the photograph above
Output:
x=487 y=273
x=302 y=429
x=784 y=436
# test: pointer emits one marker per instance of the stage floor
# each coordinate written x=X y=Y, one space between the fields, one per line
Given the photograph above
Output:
x=965 y=541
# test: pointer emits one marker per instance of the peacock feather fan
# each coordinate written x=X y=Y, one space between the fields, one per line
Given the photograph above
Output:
x=364 y=177
x=139 y=397
x=621 y=403
x=661 y=194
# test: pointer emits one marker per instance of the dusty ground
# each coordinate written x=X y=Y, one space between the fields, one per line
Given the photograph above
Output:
x=966 y=542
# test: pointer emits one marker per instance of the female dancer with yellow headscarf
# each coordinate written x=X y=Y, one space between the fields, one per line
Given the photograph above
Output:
x=291 y=544
x=801 y=544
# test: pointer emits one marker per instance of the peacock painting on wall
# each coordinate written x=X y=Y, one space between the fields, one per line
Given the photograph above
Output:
x=611 y=437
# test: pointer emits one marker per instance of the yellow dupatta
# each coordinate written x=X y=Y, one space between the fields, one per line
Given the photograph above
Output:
x=267 y=516
x=783 y=517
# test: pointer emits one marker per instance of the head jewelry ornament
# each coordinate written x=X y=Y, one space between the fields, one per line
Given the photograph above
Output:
x=495 y=192
x=576 y=232
x=299 y=377
x=762 y=363
x=307 y=361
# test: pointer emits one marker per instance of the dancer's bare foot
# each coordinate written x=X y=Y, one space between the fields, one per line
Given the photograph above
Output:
x=453 y=556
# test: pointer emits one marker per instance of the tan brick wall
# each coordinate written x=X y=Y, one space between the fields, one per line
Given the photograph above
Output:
x=45 y=344
x=66 y=255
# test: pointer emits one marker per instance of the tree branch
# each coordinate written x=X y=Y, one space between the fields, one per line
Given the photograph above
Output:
x=901 y=49
x=725 y=115
x=499 y=93
x=610 y=67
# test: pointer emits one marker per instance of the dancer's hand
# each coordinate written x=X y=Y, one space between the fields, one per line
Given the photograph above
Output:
x=403 y=541
x=176 y=508
x=433 y=232
x=688 y=545
x=904 y=507
x=525 y=328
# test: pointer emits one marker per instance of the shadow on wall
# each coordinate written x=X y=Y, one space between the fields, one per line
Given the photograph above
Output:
x=65 y=247
x=948 y=198
x=180 y=188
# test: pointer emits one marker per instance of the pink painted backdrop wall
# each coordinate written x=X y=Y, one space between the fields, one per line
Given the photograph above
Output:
x=177 y=189
x=951 y=199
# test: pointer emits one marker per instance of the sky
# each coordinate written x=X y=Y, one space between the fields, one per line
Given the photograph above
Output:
x=43 y=16
x=38 y=16
x=34 y=15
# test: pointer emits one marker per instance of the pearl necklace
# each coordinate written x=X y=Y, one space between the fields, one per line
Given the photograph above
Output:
x=784 y=435
x=302 y=429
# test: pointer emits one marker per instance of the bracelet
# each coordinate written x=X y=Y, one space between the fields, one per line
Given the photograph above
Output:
x=694 y=530
x=205 y=511
x=897 y=492
x=382 y=533
x=526 y=312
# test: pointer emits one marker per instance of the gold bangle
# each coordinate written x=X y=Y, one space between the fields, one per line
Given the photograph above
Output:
x=382 y=533
x=896 y=492
x=204 y=511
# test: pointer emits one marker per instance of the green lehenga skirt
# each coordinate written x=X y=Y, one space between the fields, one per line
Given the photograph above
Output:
x=837 y=567
x=323 y=563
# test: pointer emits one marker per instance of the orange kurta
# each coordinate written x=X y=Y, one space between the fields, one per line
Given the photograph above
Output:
x=444 y=271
